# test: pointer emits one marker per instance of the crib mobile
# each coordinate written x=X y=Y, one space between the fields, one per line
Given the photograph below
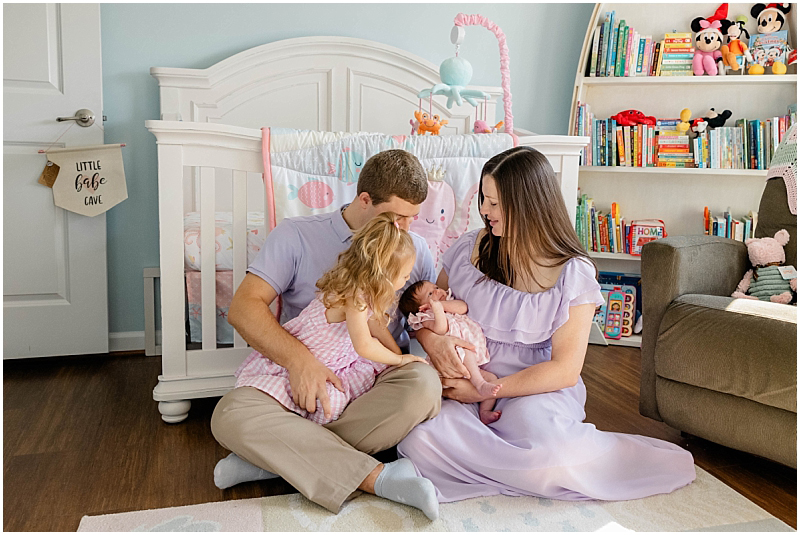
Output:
x=455 y=74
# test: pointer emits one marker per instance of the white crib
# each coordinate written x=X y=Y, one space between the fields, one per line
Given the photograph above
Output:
x=209 y=160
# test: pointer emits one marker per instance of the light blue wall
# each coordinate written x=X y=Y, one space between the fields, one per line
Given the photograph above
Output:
x=544 y=41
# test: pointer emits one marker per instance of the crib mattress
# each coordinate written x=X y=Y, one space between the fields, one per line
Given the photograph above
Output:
x=256 y=232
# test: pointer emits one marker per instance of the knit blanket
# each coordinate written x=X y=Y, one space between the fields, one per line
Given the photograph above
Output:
x=784 y=164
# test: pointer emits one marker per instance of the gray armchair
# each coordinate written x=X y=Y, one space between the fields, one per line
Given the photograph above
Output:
x=720 y=368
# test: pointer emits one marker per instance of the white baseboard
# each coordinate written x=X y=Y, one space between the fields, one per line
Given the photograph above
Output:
x=129 y=341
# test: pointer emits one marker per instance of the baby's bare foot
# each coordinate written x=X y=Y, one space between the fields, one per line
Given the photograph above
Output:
x=489 y=417
x=488 y=389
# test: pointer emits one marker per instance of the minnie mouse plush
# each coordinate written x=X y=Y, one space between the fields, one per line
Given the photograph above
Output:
x=708 y=41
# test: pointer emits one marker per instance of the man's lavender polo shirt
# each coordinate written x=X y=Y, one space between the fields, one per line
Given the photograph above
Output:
x=300 y=250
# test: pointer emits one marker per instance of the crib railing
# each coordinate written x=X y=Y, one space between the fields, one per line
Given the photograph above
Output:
x=210 y=150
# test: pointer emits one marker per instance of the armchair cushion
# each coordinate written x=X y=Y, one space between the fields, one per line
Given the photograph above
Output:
x=740 y=347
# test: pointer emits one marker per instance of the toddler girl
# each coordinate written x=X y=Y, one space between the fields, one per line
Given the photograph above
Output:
x=428 y=306
x=335 y=326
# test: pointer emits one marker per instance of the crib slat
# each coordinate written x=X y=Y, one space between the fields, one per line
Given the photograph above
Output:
x=170 y=222
x=240 y=235
x=208 y=256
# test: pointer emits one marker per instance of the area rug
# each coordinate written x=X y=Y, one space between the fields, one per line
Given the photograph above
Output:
x=705 y=505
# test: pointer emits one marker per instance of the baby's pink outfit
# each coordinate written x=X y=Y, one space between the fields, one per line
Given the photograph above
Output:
x=330 y=343
x=460 y=326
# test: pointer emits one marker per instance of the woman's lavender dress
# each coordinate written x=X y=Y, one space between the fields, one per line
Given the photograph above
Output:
x=540 y=446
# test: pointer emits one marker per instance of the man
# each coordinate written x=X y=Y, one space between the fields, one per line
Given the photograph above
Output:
x=327 y=464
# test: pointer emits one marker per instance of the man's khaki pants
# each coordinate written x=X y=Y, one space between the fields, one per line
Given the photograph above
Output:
x=327 y=463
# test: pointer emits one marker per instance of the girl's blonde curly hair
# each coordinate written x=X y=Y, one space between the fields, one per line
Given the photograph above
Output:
x=365 y=273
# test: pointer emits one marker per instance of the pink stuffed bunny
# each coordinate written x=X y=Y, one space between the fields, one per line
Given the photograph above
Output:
x=765 y=281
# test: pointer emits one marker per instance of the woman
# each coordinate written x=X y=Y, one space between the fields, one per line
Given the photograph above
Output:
x=533 y=290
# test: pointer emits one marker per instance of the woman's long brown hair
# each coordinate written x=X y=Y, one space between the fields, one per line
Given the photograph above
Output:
x=536 y=226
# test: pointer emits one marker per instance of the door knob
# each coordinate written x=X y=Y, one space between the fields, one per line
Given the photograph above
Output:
x=83 y=117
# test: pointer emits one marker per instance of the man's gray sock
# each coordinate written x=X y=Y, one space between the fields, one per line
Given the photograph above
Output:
x=398 y=481
x=233 y=470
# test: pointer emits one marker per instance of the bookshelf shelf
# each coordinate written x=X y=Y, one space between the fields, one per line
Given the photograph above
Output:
x=634 y=340
x=731 y=79
x=616 y=256
x=674 y=170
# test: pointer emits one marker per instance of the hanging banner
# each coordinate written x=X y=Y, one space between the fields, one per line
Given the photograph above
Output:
x=90 y=180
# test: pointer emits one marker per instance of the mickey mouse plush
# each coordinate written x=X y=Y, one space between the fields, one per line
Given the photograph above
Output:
x=710 y=37
x=772 y=18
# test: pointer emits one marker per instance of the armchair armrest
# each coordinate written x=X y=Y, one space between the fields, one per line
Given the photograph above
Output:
x=676 y=266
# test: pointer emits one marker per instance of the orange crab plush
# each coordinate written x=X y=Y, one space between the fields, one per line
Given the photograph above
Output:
x=428 y=123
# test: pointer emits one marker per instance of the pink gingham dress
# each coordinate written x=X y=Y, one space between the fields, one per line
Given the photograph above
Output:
x=460 y=326
x=330 y=343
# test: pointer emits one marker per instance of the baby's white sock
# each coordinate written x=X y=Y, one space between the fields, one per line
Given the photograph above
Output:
x=398 y=481
x=233 y=470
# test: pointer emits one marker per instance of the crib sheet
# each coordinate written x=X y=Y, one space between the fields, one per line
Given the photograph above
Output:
x=224 y=296
x=256 y=232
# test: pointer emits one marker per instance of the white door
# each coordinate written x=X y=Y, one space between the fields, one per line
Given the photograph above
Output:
x=55 y=295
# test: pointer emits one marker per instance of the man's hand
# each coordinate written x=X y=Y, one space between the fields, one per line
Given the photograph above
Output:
x=308 y=380
x=443 y=355
x=461 y=390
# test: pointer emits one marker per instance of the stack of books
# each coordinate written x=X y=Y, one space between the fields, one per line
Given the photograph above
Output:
x=726 y=226
x=619 y=50
x=636 y=145
x=599 y=232
x=747 y=145
x=676 y=55
x=584 y=119
x=672 y=145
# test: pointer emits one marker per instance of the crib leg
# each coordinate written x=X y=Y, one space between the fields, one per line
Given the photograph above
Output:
x=174 y=412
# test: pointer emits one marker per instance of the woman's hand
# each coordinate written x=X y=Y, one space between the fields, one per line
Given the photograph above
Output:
x=461 y=390
x=442 y=352
x=407 y=359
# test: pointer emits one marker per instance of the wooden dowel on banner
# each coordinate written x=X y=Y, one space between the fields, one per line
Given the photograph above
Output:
x=82 y=148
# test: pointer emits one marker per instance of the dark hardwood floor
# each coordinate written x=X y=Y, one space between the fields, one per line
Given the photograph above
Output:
x=82 y=436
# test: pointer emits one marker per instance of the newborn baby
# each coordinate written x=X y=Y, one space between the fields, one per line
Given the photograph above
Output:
x=426 y=305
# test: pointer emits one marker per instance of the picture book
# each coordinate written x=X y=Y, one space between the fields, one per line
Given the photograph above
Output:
x=769 y=48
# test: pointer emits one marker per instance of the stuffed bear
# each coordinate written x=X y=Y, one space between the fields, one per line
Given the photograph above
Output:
x=765 y=281
x=708 y=41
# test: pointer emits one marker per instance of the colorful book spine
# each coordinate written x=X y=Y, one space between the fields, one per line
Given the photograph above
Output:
x=622 y=39
x=621 y=147
x=640 y=56
x=661 y=56
x=628 y=51
x=612 y=50
x=612 y=141
x=627 y=141
x=599 y=61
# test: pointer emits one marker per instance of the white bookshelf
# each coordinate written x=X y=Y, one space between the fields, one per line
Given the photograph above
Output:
x=756 y=173
x=732 y=79
x=676 y=196
x=615 y=256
